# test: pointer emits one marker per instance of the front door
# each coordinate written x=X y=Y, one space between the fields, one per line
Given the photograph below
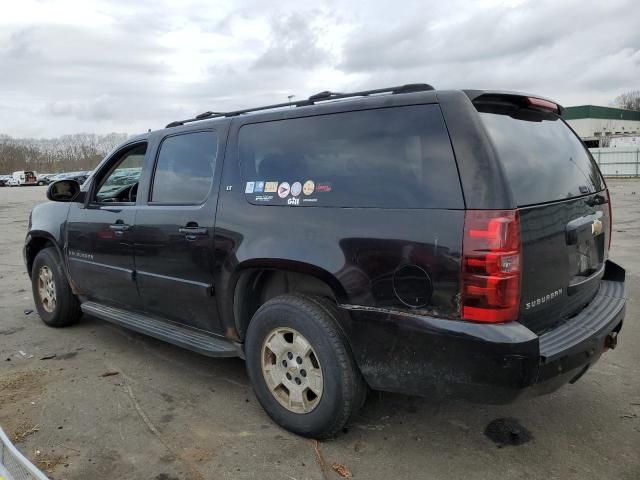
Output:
x=99 y=232
x=174 y=235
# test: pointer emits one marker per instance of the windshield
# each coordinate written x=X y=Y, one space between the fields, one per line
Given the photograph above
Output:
x=542 y=158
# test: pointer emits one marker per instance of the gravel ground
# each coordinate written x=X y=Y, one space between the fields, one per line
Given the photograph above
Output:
x=115 y=404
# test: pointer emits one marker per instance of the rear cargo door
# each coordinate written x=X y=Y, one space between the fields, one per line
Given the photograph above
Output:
x=564 y=210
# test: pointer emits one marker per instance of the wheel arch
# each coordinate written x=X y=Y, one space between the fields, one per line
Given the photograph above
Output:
x=36 y=241
x=254 y=283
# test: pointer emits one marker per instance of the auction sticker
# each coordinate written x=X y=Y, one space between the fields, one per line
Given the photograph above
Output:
x=296 y=189
x=283 y=190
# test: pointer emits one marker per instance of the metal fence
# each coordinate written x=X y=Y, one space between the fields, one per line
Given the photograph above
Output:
x=14 y=465
x=618 y=161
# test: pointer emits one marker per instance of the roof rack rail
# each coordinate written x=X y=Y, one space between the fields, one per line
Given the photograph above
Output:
x=318 y=97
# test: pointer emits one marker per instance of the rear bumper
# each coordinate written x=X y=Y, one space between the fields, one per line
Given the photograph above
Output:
x=434 y=357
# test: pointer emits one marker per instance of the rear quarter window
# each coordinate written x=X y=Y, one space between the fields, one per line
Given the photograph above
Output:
x=398 y=157
x=542 y=158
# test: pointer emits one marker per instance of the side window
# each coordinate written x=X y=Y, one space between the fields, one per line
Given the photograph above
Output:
x=120 y=182
x=397 y=157
x=184 y=168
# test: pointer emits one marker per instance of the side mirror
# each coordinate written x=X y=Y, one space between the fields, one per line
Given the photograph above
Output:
x=63 y=191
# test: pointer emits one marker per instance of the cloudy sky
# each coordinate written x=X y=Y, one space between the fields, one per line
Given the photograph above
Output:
x=69 y=66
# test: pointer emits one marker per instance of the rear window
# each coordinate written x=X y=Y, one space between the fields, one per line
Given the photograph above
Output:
x=542 y=158
x=397 y=157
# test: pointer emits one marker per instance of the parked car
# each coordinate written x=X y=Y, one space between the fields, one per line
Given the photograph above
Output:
x=44 y=178
x=57 y=176
x=24 y=178
x=80 y=177
x=4 y=180
x=439 y=243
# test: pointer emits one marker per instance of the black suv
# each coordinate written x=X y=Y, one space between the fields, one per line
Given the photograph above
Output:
x=403 y=239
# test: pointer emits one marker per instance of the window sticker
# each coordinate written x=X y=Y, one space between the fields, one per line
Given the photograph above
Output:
x=308 y=187
x=283 y=190
x=271 y=187
x=289 y=194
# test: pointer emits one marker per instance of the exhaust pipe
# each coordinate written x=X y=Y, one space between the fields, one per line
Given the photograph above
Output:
x=611 y=341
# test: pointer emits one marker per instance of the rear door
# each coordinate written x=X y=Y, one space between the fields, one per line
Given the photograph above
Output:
x=174 y=232
x=564 y=211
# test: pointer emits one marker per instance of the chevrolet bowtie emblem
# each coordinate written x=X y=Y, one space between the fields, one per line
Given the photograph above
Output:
x=596 y=228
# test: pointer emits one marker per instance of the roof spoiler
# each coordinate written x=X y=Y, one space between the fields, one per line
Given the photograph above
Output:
x=524 y=100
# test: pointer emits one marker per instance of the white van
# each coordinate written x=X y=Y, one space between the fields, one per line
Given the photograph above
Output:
x=24 y=177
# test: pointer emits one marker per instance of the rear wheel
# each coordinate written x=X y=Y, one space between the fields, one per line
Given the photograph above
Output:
x=56 y=304
x=301 y=367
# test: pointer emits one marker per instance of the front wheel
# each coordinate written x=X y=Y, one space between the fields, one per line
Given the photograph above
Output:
x=301 y=367
x=55 y=302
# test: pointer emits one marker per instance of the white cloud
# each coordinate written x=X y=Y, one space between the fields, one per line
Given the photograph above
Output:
x=68 y=65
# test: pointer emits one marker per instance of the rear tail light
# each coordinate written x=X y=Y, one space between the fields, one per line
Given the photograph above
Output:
x=491 y=266
x=610 y=219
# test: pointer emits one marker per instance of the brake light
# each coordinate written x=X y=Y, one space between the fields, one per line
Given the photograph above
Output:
x=610 y=219
x=543 y=104
x=491 y=266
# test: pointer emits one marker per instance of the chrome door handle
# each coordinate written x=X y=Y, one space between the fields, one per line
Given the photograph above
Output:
x=193 y=232
x=119 y=227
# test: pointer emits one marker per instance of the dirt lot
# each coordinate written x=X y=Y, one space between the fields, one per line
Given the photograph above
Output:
x=169 y=414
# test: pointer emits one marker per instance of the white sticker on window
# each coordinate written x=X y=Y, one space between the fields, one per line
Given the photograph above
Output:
x=283 y=190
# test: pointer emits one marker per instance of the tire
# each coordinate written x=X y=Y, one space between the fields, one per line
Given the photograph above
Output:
x=55 y=303
x=287 y=322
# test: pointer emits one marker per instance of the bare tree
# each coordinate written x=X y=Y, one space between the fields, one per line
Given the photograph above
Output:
x=67 y=153
x=629 y=100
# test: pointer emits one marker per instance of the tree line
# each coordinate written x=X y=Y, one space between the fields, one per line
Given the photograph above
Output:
x=81 y=151
x=629 y=100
